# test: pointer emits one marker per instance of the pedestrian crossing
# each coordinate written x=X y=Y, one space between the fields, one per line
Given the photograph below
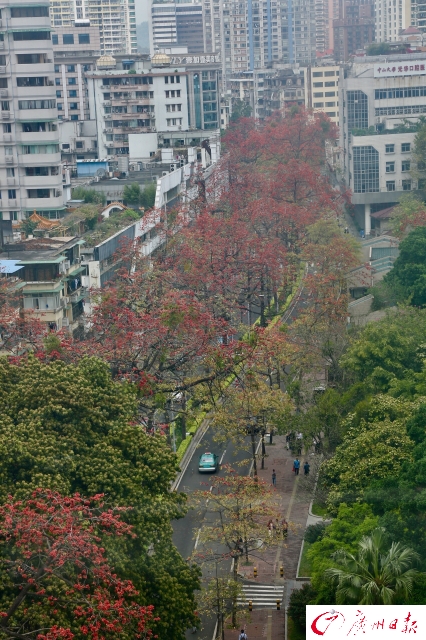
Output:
x=262 y=596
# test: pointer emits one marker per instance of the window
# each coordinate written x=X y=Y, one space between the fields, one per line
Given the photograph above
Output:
x=174 y=121
x=329 y=74
x=357 y=110
x=74 y=117
x=390 y=185
x=57 y=68
x=330 y=94
x=3 y=60
x=3 y=83
x=72 y=80
x=10 y=172
x=73 y=106
x=38 y=193
x=317 y=74
x=329 y=84
x=318 y=105
x=390 y=148
x=31 y=35
x=40 y=81
x=83 y=38
x=71 y=68
x=59 y=107
x=35 y=149
x=5 y=105
x=79 y=144
x=29 y=12
x=406 y=185
x=390 y=167
x=366 y=169
x=7 y=128
x=30 y=58
x=58 y=82
x=72 y=93
x=405 y=147
x=68 y=38
x=38 y=126
x=318 y=84
x=54 y=38
x=405 y=165
x=37 y=104
x=330 y=104
x=59 y=94
x=11 y=194
x=319 y=94
x=8 y=151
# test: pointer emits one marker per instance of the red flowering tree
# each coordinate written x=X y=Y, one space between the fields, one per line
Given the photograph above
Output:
x=56 y=581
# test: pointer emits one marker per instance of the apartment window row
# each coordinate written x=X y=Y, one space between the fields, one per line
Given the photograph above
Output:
x=37 y=104
x=131 y=80
x=175 y=93
x=34 y=127
x=405 y=166
x=171 y=122
x=11 y=194
x=405 y=110
x=172 y=79
x=325 y=94
x=173 y=107
x=33 y=149
x=405 y=147
x=40 y=81
x=325 y=84
x=72 y=106
x=391 y=185
x=320 y=74
x=20 y=36
x=68 y=38
x=70 y=68
x=29 y=12
x=400 y=92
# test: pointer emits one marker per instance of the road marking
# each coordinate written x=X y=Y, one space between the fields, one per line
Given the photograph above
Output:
x=269 y=629
x=293 y=495
x=198 y=537
x=223 y=455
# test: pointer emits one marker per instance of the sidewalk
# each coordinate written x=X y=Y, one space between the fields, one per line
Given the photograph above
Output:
x=294 y=503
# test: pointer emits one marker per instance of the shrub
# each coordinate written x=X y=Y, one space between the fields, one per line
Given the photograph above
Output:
x=314 y=532
x=298 y=600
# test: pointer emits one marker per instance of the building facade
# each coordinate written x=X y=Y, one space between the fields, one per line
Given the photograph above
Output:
x=177 y=24
x=30 y=160
x=354 y=28
x=381 y=99
x=115 y=20
x=322 y=90
x=391 y=17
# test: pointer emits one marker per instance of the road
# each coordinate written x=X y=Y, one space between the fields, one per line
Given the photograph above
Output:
x=185 y=530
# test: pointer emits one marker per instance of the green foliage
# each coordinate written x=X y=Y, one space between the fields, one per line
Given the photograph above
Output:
x=297 y=606
x=385 y=296
x=240 y=109
x=147 y=199
x=314 y=532
x=376 y=574
x=379 y=49
x=132 y=193
x=69 y=428
x=28 y=226
x=88 y=195
x=409 y=271
x=345 y=531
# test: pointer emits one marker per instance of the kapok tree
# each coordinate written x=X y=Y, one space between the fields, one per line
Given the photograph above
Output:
x=241 y=507
x=56 y=581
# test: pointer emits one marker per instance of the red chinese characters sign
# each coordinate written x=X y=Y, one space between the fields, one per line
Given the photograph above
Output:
x=395 y=69
x=366 y=622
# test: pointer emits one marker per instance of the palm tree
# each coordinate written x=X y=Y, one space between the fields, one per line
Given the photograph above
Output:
x=374 y=575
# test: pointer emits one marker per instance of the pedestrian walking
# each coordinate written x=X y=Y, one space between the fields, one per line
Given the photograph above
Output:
x=284 y=527
x=270 y=528
x=243 y=635
x=274 y=478
x=306 y=468
x=296 y=466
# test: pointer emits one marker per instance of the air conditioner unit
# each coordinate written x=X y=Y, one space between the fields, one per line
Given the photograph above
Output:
x=4 y=93
x=1 y=45
x=5 y=115
x=67 y=265
x=65 y=322
x=9 y=159
x=2 y=69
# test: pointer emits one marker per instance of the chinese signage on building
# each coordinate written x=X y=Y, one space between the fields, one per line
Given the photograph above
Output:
x=395 y=69
x=206 y=59
x=371 y=621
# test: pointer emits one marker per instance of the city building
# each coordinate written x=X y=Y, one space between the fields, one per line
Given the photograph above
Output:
x=381 y=99
x=30 y=159
x=177 y=24
x=391 y=17
x=326 y=11
x=322 y=90
x=115 y=20
x=353 y=29
x=162 y=96
x=281 y=91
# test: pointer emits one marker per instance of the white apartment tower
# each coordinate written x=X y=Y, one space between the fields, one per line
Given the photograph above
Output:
x=116 y=20
x=391 y=17
x=30 y=160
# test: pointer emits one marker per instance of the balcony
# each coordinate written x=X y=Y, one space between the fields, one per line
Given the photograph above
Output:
x=12 y=203
x=4 y=93
x=35 y=160
x=7 y=137
x=5 y=115
x=9 y=159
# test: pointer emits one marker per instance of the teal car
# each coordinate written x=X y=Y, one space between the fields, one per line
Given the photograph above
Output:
x=208 y=462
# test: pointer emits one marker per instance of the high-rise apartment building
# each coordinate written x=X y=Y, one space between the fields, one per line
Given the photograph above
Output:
x=354 y=28
x=116 y=20
x=177 y=24
x=30 y=160
x=391 y=17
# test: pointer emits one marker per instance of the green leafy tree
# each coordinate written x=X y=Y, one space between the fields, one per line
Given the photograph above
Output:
x=71 y=429
x=419 y=152
x=28 y=226
x=345 y=531
x=147 y=199
x=88 y=195
x=240 y=109
x=375 y=575
x=132 y=194
x=409 y=271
